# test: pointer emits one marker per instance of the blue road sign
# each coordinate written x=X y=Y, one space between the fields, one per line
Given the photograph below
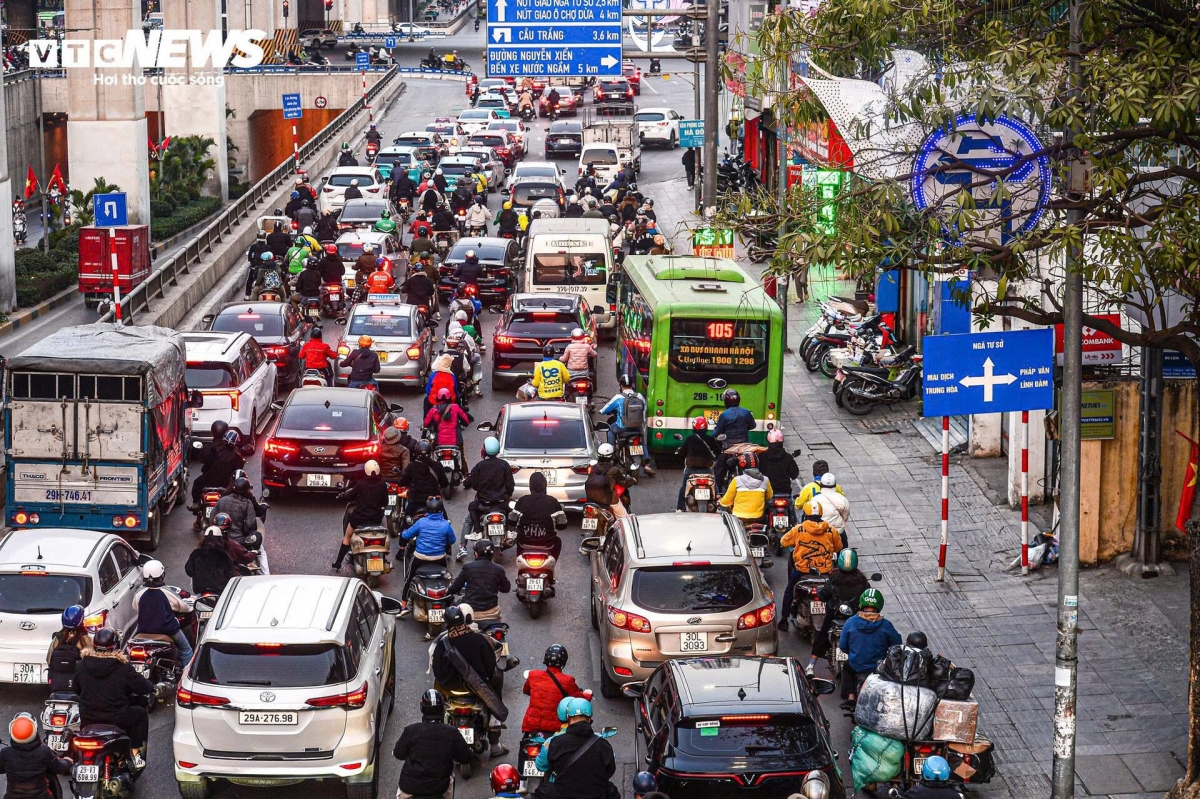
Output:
x=548 y=38
x=291 y=106
x=691 y=133
x=362 y=60
x=389 y=42
x=988 y=372
x=111 y=210
x=1176 y=365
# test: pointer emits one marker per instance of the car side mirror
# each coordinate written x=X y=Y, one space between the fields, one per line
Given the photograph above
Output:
x=822 y=686
x=276 y=407
x=394 y=408
x=876 y=577
x=590 y=544
x=758 y=540
x=195 y=400
x=206 y=322
x=602 y=427
x=485 y=427
x=390 y=606
x=633 y=690
x=143 y=558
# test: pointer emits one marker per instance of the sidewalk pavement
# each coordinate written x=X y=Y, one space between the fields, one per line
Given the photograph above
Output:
x=1133 y=681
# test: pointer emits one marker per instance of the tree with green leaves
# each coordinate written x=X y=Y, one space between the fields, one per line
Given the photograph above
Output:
x=1130 y=172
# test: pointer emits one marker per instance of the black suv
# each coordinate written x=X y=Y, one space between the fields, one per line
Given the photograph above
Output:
x=530 y=322
x=500 y=259
x=564 y=138
x=725 y=727
x=613 y=94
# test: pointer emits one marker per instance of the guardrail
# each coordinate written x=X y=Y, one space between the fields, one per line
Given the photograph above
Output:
x=169 y=270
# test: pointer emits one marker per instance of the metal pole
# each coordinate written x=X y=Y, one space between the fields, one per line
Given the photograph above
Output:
x=945 y=498
x=296 y=148
x=712 y=85
x=1145 y=539
x=112 y=247
x=1066 y=657
x=1024 y=492
x=696 y=93
x=41 y=125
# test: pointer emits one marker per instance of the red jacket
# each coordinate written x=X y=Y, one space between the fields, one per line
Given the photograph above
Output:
x=447 y=425
x=316 y=354
x=544 y=696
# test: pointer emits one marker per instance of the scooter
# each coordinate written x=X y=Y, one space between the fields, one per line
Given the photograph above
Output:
x=698 y=493
x=103 y=763
x=312 y=377
x=596 y=519
x=394 y=516
x=333 y=301
x=60 y=719
x=203 y=607
x=527 y=113
x=864 y=390
x=450 y=459
x=580 y=389
x=372 y=149
x=476 y=230
x=535 y=578
x=369 y=548
x=780 y=513
x=311 y=307
x=20 y=229
x=208 y=500
x=428 y=593
x=155 y=657
x=492 y=521
x=807 y=610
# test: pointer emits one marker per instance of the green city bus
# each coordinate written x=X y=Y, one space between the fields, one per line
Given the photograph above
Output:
x=691 y=327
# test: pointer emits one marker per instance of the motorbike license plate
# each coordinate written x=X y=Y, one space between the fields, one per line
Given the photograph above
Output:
x=816 y=608
x=534 y=584
x=142 y=668
x=495 y=529
x=758 y=552
x=55 y=741
x=318 y=480
x=530 y=769
x=581 y=400
x=204 y=615
x=693 y=642
x=27 y=672
x=635 y=449
x=391 y=500
x=333 y=295
x=268 y=717
x=841 y=656
x=447 y=464
x=551 y=476
x=468 y=734
x=375 y=565
x=85 y=773
x=780 y=522
x=712 y=416
x=436 y=615
x=702 y=493
x=349 y=282
x=591 y=524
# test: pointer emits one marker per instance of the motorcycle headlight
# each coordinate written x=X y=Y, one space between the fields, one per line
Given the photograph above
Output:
x=845 y=610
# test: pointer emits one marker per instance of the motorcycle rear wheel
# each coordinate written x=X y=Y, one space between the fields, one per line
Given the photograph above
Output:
x=813 y=361
x=825 y=363
x=855 y=404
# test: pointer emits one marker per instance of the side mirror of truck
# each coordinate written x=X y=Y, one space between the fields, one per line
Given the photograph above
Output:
x=195 y=400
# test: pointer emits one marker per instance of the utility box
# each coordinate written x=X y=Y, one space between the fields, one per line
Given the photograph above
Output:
x=131 y=243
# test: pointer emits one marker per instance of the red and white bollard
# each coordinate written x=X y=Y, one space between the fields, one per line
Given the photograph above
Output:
x=945 y=498
x=1024 y=492
x=296 y=148
x=370 y=112
x=112 y=248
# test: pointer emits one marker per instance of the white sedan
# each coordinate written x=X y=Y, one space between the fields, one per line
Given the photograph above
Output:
x=658 y=126
x=409 y=29
x=473 y=120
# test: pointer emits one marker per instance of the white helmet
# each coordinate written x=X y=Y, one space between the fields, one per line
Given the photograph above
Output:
x=354 y=182
x=308 y=230
x=437 y=171
x=605 y=450
x=153 y=570
x=460 y=317
x=828 y=480
x=456 y=335
x=371 y=467
x=214 y=531
x=367 y=248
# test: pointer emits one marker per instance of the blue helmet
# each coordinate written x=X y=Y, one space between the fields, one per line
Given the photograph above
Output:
x=579 y=707
x=936 y=769
x=266 y=256
x=295 y=195
x=644 y=783
x=380 y=263
x=72 y=617
x=562 y=707
x=491 y=445
x=232 y=436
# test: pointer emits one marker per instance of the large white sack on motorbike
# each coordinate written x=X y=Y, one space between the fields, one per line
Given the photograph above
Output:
x=893 y=710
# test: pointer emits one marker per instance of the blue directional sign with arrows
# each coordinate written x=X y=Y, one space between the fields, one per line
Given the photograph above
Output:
x=110 y=210
x=548 y=38
x=988 y=372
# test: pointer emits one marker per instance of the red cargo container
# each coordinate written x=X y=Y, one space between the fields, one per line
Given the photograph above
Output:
x=96 y=245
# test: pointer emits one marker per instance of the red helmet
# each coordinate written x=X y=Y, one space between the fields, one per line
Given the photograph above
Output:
x=331 y=249
x=699 y=424
x=400 y=424
x=505 y=778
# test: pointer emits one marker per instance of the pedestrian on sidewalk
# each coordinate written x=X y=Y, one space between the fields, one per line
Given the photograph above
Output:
x=689 y=166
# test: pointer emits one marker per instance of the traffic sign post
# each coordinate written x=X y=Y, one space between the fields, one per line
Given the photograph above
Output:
x=548 y=38
x=390 y=41
x=362 y=60
x=291 y=106
x=112 y=211
x=691 y=133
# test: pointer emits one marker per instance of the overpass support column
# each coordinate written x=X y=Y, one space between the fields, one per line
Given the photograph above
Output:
x=106 y=125
x=250 y=15
x=194 y=97
x=8 y=272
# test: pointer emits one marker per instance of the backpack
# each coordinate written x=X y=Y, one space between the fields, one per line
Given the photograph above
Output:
x=635 y=412
x=63 y=658
x=271 y=279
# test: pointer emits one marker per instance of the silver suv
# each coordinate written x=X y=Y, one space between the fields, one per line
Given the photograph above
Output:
x=292 y=680
x=665 y=585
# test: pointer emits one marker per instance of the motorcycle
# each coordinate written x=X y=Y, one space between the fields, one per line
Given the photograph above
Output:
x=443 y=240
x=492 y=521
x=429 y=593
x=630 y=452
x=311 y=308
x=154 y=656
x=527 y=113
x=209 y=497
x=372 y=149
x=807 y=610
x=394 y=516
x=883 y=363
x=527 y=754
x=333 y=303
x=467 y=714
x=580 y=389
x=863 y=390
x=103 y=763
x=450 y=459
x=203 y=607
x=313 y=377
x=60 y=719
x=780 y=512
x=552 y=112
x=476 y=230
x=978 y=759
x=404 y=208
x=758 y=541
x=698 y=493
x=20 y=228
x=535 y=578
x=596 y=519
x=369 y=553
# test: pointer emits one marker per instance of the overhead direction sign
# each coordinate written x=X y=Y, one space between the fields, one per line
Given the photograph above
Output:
x=291 y=106
x=972 y=373
x=691 y=133
x=110 y=210
x=548 y=38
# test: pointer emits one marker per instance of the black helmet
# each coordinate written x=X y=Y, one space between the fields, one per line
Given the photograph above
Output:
x=432 y=704
x=732 y=398
x=556 y=656
x=223 y=520
x=219 y=429
x=460 y=290
x=917 y=640
x=434 y=505
x=106 y=640
x=454 y=617
x=644 y=783
x=424 y=447
x=548 y=351
x=484 y=549
x=242 y=486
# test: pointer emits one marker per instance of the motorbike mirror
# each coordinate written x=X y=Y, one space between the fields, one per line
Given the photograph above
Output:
x=509 y=663
x=526 y=673
x=394 y=408
x=390 y=606
x=197 y=445
x=608 y=732
x=195 y=400
x=590 y=544
x=876 y=577
x=276 y=407
x=758 y=540
x=495 y=309
x=721 y=437
x=796 y=453
x=633 y=690
x=821 y=686
x=485 y=427
x=341 y=320
x=602 y=427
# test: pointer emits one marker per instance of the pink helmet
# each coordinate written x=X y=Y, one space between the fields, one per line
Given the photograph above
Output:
x=775 y=436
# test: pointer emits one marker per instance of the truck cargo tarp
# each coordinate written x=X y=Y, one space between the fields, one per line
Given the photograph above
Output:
x=108 y=349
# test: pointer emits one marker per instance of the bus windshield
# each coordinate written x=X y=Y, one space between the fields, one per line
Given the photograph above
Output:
x=701 y=349
x=570 y=269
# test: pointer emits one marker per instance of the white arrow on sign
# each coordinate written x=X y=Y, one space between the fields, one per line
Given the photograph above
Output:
x=609 y=61
x=500 y=6
x=988 y=380
x=502 y=35
x=110 y=209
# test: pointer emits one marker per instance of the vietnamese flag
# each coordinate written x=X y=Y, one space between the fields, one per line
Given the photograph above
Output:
x=1189 y=488
x=56 y=179
x=30 y=183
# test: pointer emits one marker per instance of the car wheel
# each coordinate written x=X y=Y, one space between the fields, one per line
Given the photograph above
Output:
x=366 y=790
x=193 y=790
x=674 y=143
x=497 y=381
x=609 y=688
x=250 y=442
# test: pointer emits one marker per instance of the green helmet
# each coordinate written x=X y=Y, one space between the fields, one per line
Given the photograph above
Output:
x=345 y=145
x=871 y=598
x=847 y=560
x=386 y=214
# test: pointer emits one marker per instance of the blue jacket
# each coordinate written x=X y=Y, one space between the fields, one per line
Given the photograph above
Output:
x=155 y=614
x=866 y=642
x=617 y=405
x=736 y=423
x=434 y=535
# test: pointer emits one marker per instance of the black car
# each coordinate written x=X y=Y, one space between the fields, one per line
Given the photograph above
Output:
x=363 y=213
x=323 y=438
x=564 y=138
x=726 y=727
x=278 y=327
x=500 y=259
x=529 y=323
x=613 y=94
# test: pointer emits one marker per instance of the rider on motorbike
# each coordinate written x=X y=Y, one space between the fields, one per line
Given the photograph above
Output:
x=316 y=354
x=483 y=580
x=844 y=586
x=269 y=277
x=372 y=134
x=461 y=197
x=107 y=687
x=629 y=414
x=369 y=496
x=421 y=242
x=156 y=608
x=380 y=281
x=429 y=749
x=589 y=773
x=403 y=187
x=66 y=648
x=525 y=101
x=814 y=544
x=308 y=284
x=546 y=689
x=699 y=451
x=608 y=484
x=347 y=156
x=538 y=527
x=552 y=99
x=418 y=289
x=330 y=265
x=777 y=464
x=508 y=220
x=363 y=363
x=393 y=455
x=385 y=223
x=835 y=508
x=220 y=459
x=478 y=215
x=735 y=423
x=243 y=510
x=443 y=220
x=865 y=639
x=424 y=477
x=492 y=481
x=810 y=490
x=550 y=376
x=210 y=566
x=747 y=496
x=434 y=537
x=28 y=764
x=477 y=651
x=579 y=353
x=448 y=418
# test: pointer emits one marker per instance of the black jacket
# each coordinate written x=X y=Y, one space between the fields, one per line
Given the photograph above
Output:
x=370 y=497
x=403 y=188
x=442 y=220
x=440 y=182
x=27 y=766
x=363 y=363
x=423 y=478
x=279 y=243
x=588 y=777
x=220 y=460
x=537 y=512
x=485 y=580
x=106 y=683
x=845 y=587
x=508 y=219
x=700 y=451
x=468 y=272
x=429 y=750
x=491 y=479
x=418 y=289
x=353 y=193
x=293 y=205
x=331 y=269
x=326 y=227
x=347 y=159
x=309 y=283
x=778 y=466
x=210 y=568
x=474 y=647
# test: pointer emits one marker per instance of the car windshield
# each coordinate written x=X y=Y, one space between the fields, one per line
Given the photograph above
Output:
x=613 y=86
x=566 y=269
x=649 y=116
x=601 y=157
x=349 y=250
x=411 y=140
x=525 y=193
x=456 y=169
x=40 y=592
x=783 y=734
x=487 y=251
x=380 y=324
x=476 y=115
x=537 y=172
x=692 y=589
x=362 y=212
x=404 y=159
x=342 y=181
x=209 y=375
x=308 y=419
x=513 y=126
x=492 y=102
x=447 y=129
x=271 y=665
x=542 y=325
x=252 y=322
x=479 y=155
x=548 y=433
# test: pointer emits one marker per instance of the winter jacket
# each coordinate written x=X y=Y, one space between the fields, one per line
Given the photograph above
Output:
x=492 y=480
x=156 y=609
x=484 y=580
x=537 y=516
x=835 y=508
x=429 y=750
x=210 y=568
x=27 y=766
x=242 y=516
x=866 y=638
x=403 y=187
x=62 y=658
x=363 y=363
x=810 y=491
x=468 y=272
x=309 y=283
x=331 y=269
x=473 y=646
x=747 y=496
x=544 y=696
x=815 y=545
x=393 y=460
x=578 y=355
x=221 y=459
x=365 y=263
x=316 y=354
x=106 y=682
x=736 y=423
x=370 y=498
x=700 y=451
x=478 y=215
x=845 y=587
x=588 y=777
x=423 y=478
x=418 y=289
x=778 y=466
x=447 y=418
x=279 y=243
x=434 y=535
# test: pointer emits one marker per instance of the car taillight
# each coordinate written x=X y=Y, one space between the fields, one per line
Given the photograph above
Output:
x=276 y=351
x=536 y=561
x=186 y=698
x=413 y=352
x=278 y=448
x=502 y=341
x=235 y=396
x=581 y=469
x=629 y=93
x=327 y=190
x=599 y=94
x=352 y=700
x=760 y=617
x=624 y=620
x=364 y=451
x=95 y=621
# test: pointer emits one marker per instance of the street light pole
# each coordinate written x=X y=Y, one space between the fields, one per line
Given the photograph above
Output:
x=712 y=85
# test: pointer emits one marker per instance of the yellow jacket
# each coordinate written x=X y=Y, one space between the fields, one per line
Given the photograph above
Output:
x=748 y=496
x=811 y=490
x=549 y=378
x=816 y=544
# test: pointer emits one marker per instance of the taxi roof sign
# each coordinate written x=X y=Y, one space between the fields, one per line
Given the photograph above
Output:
x=384 y=299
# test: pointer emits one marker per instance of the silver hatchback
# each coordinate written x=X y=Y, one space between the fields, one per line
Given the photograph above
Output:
x=403 y=345
x=554 y=438
x=666 y=585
